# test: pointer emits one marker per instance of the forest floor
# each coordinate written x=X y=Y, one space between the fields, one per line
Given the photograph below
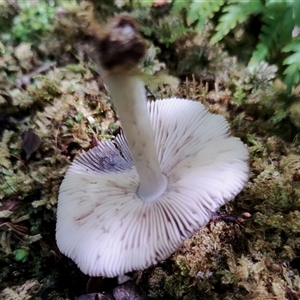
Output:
x=54 y=106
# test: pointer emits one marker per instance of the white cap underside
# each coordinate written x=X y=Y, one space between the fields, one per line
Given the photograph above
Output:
x=107 y=230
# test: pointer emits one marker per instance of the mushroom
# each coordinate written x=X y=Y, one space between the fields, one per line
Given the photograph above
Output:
x=130 y=202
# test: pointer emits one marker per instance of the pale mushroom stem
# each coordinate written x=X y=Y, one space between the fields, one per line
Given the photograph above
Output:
x=129 y=97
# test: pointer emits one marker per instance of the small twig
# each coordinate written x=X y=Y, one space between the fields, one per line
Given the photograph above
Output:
x=25 y=80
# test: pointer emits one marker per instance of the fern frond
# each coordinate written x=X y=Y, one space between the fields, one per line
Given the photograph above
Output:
x=296 y=12
x=201 y=10
x=276 y=31
x=235 y=14
x=293 y=46
x=267 y=36
x=292 y=71
x=259 y=55
x=178 y=5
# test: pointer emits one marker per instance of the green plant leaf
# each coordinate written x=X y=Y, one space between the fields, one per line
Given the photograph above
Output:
x=178 y=5
x=276 y=31
x=293 y=46
x=235 y=14
x=201 y=10
x=296 y=11
x=292 y=71
x=258 y=55
x=292 y=59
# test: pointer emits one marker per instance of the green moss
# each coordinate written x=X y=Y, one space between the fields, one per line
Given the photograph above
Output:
x=68 y=108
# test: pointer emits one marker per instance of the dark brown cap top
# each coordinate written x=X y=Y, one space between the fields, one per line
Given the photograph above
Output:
x=121 y=45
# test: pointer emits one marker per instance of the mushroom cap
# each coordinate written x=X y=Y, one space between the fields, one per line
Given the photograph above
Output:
x=107 y=230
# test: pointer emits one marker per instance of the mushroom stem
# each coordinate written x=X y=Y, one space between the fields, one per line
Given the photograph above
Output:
x=129 y=97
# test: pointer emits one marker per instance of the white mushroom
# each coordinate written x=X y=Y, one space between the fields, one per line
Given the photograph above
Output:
x=128 y=203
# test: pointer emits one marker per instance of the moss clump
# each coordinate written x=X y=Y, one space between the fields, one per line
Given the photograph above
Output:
x=249 y=260
x=24 y=291
x=67 y=111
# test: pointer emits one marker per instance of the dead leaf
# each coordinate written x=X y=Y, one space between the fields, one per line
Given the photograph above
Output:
x=31 y=142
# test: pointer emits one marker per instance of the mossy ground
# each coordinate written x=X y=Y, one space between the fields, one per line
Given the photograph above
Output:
x=64 y=103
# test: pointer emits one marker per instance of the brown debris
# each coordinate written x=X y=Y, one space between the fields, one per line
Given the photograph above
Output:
x=31 y=142
x=110 y=44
